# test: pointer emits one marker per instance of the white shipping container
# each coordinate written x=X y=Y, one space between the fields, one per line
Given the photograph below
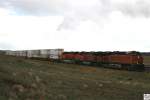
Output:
x=33 y=53
x=36 y=52
x=19 y=53
x=14 y=53
x=8 y=52
x=36 y=56
x=56 y=51
x=54 y=57
x=23 y=53
x=29 y=53
x=44 y=51
x=44 y=56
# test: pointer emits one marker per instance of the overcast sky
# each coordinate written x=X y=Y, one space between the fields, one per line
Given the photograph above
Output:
x=100 y=25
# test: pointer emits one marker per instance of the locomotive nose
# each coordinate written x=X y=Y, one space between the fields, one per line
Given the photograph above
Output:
x=140 y=59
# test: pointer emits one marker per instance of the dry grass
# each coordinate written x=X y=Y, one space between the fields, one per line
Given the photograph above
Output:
x=25 y=79
x=146 y=60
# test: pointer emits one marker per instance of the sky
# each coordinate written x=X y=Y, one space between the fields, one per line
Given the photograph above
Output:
x=75 y=25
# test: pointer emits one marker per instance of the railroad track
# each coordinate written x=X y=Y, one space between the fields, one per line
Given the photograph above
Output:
x=147 y=68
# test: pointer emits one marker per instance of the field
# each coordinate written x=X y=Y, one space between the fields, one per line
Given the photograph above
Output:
x=26 y=79
x=147 y=60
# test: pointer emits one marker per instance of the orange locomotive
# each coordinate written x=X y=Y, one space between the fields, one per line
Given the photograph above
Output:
x=120 y=60
x=124 y=60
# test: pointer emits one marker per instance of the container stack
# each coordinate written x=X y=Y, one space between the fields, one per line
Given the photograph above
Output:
x=42 y=53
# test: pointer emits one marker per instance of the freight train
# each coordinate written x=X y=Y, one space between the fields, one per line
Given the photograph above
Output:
x=132 y=61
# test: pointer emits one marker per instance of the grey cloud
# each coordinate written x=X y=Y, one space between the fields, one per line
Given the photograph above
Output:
x=98 y=10
x=73 y=11
x=95 y=10
x=79 y=7
x=135 y=9
x=34 y=7
x=68 y=23
x=76 y=11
